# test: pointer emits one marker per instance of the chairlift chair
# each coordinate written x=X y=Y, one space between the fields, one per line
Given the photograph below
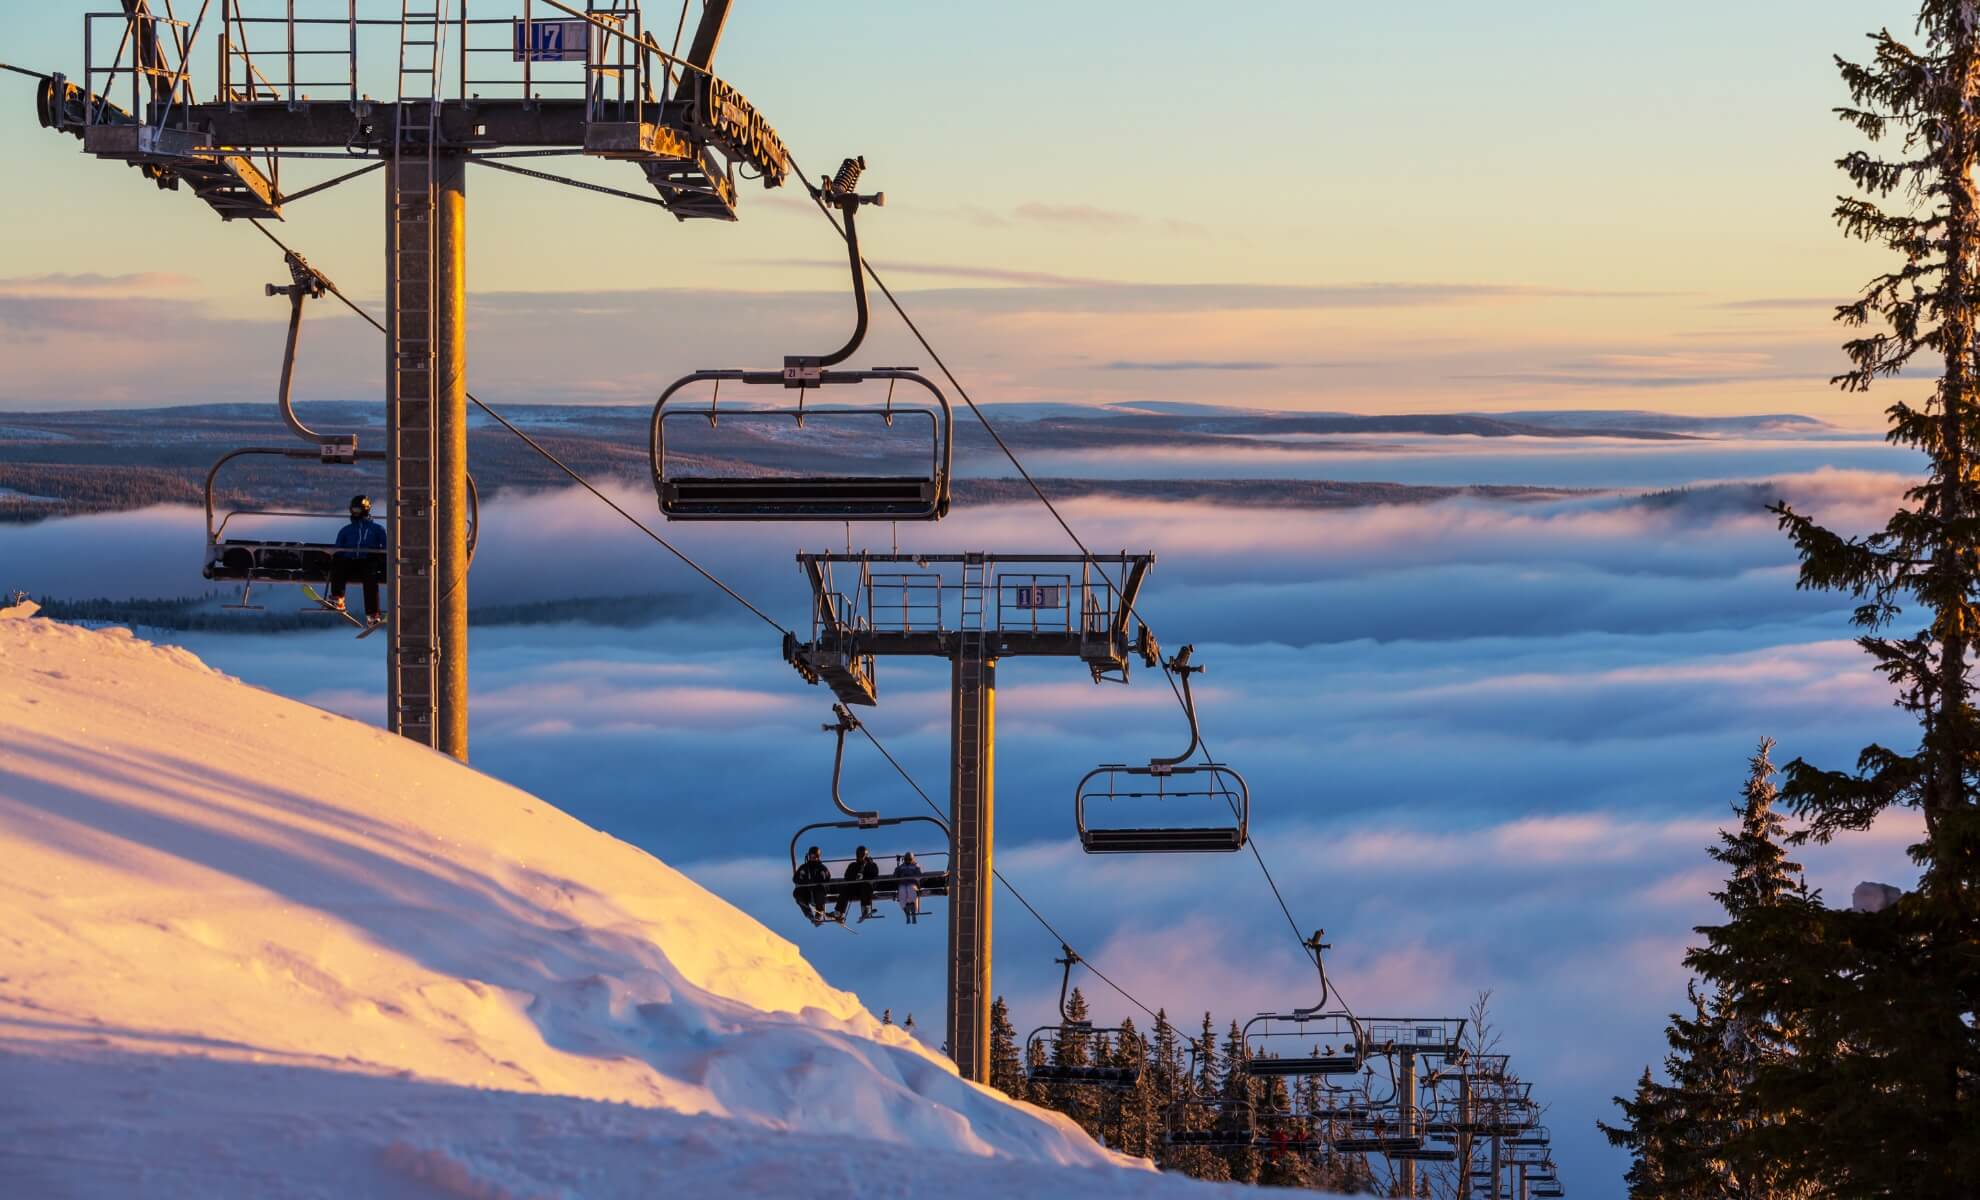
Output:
x=1222 y=1134
x=249 y=560
x=1391 y=1143
x=1166 y=780
x=1039 y=1067
x=690 y=491
x=1306 y=1041
x=931 y=882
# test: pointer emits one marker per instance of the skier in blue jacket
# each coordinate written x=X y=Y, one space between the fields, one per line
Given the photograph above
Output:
x=360 y=557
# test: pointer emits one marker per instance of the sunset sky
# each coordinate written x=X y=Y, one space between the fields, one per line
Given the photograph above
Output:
x=1385 y=208
x=1489 y=738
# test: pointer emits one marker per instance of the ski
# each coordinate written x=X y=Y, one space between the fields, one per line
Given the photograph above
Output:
x=371 y=627
x=328 y=607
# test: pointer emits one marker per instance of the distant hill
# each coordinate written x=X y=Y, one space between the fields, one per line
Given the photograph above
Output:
x=1636 y=420
x=67 y=463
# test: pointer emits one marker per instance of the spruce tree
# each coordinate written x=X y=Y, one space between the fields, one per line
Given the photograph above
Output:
x=1076 y=1047
x=1165 y=1083
x=1203 y=1084
x=1892 y=999
x=1673 y=1130
x=1240 y=1106
x=1715 y=1129
x=1006 y=1065
x=1755 y=1038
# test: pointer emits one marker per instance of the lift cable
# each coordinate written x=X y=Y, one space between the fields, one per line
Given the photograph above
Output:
x=1008 y=886
x=326 y=185
x=943 y=366
x=567 y=182
x=581 y=481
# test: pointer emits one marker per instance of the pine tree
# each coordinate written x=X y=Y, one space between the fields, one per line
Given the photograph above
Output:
x=1202 y=1084
x=1673 y=1130
x=1165 y=1083
x=1754 y=1038
x=1075 y=1048
x=1712 y=1132
x=1240 y=1105
x=1892 y=999
x=1006 y=1066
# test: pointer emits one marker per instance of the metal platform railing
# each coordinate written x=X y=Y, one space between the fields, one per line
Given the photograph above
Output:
x=933 y=601
x=264 y=52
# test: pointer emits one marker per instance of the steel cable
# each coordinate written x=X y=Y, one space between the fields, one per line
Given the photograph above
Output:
x=1002 y=445
x=706 y=574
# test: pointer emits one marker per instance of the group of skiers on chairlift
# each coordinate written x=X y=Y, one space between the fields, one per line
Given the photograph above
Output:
x=862 y=872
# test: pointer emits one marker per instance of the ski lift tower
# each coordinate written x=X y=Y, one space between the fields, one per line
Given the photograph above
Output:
x=218 y=103
x=969 y=609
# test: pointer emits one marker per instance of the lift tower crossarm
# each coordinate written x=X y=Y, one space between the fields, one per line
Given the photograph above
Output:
x=451 y=104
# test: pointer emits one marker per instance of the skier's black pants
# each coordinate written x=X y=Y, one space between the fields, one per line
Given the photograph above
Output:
x=810 y=899
x=368 y=570
x=861 y=890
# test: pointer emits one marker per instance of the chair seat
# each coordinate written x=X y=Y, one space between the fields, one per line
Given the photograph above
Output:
x=1221 y=840
x=827 y=498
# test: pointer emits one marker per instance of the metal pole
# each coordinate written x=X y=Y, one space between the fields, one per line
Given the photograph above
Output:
x=972 y=823
x=1521 y=1192
x=1463 y=1138
x=426 y=427
x=1497 y=1193
x=450 y=453
x=1406 y=1093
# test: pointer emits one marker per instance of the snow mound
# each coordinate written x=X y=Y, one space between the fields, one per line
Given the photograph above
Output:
x=248 y=947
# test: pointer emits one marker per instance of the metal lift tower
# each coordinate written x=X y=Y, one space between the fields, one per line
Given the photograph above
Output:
x=542 y=78
x=962 y=608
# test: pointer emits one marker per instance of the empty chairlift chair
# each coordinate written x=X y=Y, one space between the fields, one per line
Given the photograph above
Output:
x=1048 y=1047
x=1224 y=1124
x=1306 y=1041
x=1207 y=792
x=1383 y=1132
x=891 y=479
x=838 y=890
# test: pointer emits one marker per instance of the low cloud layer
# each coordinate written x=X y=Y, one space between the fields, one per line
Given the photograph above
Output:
x=1487 y=743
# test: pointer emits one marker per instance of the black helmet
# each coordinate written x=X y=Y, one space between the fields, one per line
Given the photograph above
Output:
x=361 y=505
x=811 y=852
x=860 y=852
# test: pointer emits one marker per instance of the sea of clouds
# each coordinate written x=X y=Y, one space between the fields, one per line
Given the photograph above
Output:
x=1487 y=742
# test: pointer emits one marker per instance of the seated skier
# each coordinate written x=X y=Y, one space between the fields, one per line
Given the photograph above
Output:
x=907 y=886
x=862 y=870
x=809 y=893
x=360 y=558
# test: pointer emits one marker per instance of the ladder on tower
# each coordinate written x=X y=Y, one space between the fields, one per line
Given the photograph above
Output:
x=969 y=885
x=413 y=632
x=969 y=817
x=972 y=592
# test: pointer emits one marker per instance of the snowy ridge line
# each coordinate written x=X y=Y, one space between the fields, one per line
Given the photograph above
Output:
x=230 y=911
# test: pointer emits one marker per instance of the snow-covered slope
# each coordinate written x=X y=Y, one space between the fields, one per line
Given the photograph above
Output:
x=251 y=948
